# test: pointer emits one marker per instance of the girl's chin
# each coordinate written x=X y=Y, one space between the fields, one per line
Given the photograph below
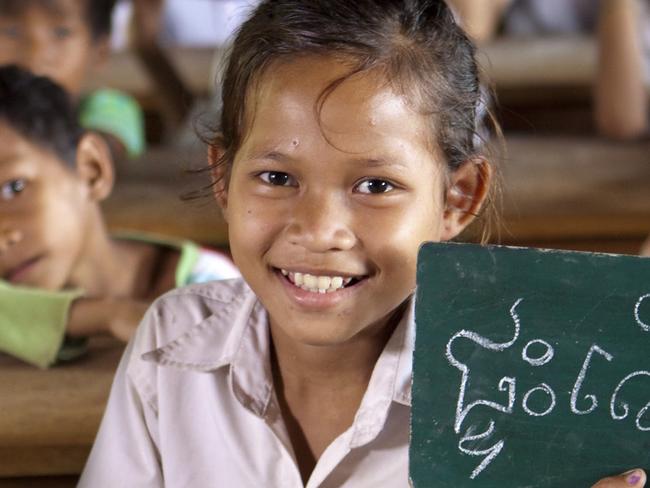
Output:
x=317 y=333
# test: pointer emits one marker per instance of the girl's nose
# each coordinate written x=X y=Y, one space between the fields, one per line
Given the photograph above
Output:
x=320 y=223
x=8 y=239
x=37 y=52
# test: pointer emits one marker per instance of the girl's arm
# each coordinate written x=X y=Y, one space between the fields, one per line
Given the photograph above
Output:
x=96 y=316
x=480 y=18
x=620 y=94
x=175 y=96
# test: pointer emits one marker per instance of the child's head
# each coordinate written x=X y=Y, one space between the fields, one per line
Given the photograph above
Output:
x=346 y=139
x=61 y=39
x=51 y=177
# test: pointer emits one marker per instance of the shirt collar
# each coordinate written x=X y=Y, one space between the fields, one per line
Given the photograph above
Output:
x=213 y=341
x=235 y=334
x=390 y=382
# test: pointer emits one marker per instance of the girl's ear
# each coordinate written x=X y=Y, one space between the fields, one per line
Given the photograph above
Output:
x=95 y=166
x=220 y=174
x=467 y=190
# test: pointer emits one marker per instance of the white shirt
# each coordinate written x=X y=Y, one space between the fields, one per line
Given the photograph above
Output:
x=203 y=23
x=193 y=405
x=189 y=23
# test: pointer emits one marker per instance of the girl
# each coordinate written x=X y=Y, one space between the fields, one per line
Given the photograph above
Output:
x=346 y=140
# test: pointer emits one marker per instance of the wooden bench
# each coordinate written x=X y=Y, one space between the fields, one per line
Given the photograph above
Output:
x=49 y=418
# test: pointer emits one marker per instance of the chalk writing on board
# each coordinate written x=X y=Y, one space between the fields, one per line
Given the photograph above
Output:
x=641 y=323
x=507 y=385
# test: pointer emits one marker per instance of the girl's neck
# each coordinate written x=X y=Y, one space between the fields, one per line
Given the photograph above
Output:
x=307 y=367
x=320 y=389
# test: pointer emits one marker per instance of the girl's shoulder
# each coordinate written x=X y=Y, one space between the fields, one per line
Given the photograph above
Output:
x=191 y=318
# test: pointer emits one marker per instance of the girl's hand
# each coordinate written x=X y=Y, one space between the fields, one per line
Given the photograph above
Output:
x=631 y=479
x=645 y=249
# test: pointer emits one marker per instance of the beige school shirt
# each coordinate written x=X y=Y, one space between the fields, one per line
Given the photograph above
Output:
x=193 y=405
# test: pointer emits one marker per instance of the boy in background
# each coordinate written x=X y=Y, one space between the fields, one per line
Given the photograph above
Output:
x=61 y=273
x=66 y=40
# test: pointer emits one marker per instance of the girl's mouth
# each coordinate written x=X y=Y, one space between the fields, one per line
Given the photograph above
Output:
x=16 y=274
x=319 y=283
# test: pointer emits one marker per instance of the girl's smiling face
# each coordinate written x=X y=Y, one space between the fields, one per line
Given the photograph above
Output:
x=326 y=211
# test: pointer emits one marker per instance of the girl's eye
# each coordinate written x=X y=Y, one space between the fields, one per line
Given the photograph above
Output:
x=277 y=178
x=11 y=31
x=375 y=186
x=62 y=32
x=11 y=189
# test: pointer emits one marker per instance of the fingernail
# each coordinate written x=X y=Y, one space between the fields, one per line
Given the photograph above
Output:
x=632 y=477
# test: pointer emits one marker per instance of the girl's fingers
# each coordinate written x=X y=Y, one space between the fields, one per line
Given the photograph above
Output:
x=631 y=479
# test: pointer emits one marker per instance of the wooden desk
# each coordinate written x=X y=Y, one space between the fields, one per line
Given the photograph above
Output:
x=576 y=193
x=512 y=64
x=124 y=72
x=49 y=418
x=148 y=197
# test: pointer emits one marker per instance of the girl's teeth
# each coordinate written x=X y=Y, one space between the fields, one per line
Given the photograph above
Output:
x=297 y=279
x=323 y=283
x=316 y=284
x=310 y=281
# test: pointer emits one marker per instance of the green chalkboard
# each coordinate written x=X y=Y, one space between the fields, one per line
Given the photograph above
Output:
x=531 y=367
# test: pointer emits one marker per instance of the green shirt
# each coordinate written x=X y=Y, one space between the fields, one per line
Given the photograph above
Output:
x=32 y=322
x=117 y=114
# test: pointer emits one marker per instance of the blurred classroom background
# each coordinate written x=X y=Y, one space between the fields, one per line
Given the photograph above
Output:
x=576 y=179
x=572 y=183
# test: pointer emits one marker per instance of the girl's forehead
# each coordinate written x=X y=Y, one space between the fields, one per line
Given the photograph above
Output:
x=320 y=78
x=293 y=116
x=320 y=91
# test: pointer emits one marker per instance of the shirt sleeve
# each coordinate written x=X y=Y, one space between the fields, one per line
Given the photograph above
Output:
x=117 y=114
x=33 y=322
x=125 y=452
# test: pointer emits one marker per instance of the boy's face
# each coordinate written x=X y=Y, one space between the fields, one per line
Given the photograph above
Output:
x=52 y=39
x=351 y=198
x=42 y=214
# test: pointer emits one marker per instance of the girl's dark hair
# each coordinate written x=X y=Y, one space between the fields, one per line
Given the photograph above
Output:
x=97 y=12
x=415 y=44
x=39 y=110
x=99 y=15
